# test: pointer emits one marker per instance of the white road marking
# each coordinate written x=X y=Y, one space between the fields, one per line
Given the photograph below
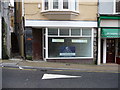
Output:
x=21 y=68
x=54 y=76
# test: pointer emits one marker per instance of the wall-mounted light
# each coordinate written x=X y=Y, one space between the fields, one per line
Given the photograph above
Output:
x=39 y=6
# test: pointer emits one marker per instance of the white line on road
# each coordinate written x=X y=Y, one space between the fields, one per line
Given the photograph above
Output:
x=54 y=76
x=20 y=67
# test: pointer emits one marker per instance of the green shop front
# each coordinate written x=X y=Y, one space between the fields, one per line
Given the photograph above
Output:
x=109 y=27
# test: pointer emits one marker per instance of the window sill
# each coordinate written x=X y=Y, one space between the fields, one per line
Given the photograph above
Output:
x=59 y=12
x=67 y=58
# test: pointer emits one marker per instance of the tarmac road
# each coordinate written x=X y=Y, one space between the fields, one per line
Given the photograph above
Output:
x=33 y=78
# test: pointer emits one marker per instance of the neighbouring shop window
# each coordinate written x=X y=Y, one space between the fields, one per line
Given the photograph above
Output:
x=69 y=42
x=117 y=6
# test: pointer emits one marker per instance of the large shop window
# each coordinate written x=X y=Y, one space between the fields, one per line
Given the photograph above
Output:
x=70 y=42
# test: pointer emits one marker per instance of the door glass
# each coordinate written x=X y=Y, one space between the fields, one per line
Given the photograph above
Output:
x=111 y=50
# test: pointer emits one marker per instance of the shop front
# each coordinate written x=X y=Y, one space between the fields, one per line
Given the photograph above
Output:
x=67 y=42
x=110 y=39
x=111 y=45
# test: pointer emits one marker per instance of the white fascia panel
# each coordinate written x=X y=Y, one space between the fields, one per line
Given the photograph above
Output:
x=37 y=23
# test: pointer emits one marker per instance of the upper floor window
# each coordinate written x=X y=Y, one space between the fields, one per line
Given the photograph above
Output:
x=46 y=5
x=55 y=4
x=60 y=5
x=65 y=4
x=117 y=6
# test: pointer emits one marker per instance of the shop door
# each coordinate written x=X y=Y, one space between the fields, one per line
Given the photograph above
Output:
x=110 y=50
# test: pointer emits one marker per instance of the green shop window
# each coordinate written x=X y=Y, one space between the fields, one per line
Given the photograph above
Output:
x=110 y=33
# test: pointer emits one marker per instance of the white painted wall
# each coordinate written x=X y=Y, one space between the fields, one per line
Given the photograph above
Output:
x=106 y=6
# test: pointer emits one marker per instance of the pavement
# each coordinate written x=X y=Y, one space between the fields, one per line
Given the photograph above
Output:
x=110 y=67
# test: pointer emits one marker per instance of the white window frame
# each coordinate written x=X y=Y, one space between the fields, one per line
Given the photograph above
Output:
x=114 y=8
x=60 y=6
x=91 y=36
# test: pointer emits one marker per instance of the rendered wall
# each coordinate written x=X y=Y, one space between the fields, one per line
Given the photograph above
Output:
x=106 y=7
x=87 y=10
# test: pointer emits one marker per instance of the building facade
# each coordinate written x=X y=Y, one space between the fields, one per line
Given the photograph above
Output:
x=6 y=31
x=61 y=30
x=11 y=26
x=109 y=31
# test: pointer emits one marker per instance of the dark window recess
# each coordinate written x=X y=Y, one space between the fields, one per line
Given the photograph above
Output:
x=14 y=43
x=28 y=43
x=117 y=6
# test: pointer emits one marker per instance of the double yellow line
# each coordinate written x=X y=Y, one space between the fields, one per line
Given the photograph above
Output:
x=88 y=71
x=19 y=68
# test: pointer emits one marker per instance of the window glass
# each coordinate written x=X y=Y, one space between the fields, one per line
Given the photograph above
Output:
x=75 y=4
x=69 y=47
x=52 y=31
x=75 y=32
x=55 y=4
x=64 y=32
x=46 y=5
x=86 y=31
x=117 y=6
x=65 y=4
